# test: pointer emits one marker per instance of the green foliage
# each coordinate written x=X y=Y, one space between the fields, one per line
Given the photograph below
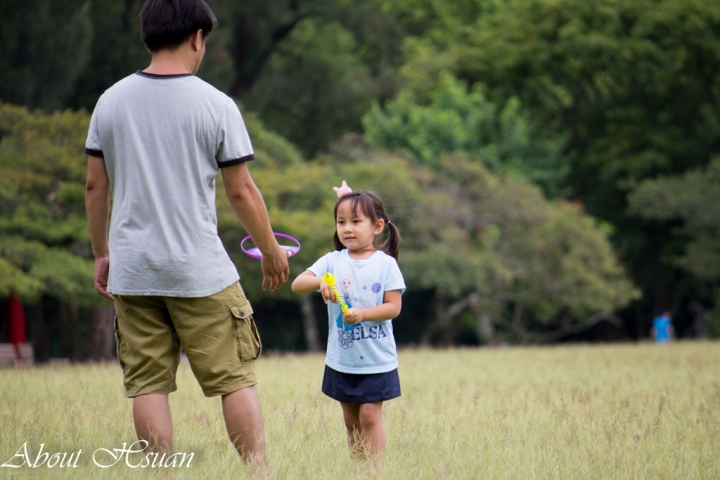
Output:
x=59 y=54
x=594 y=100
x=115 y=50
x=625 y=78
x=464 y=230
x=691 y=198
x=455 y=119
x=314 y=87
x=633 y=85
x=435 y=18
x=499 y=237
x=44 y=45
x=311 y=68
x=44 y=242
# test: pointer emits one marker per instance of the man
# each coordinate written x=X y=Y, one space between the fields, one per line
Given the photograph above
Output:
x=662 y=330
x=157 y=139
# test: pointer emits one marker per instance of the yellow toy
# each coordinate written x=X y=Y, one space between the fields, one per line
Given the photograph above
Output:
x=329 y=279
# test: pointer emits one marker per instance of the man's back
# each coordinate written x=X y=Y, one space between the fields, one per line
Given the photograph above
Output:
x=163 y=139
x=157 y=138
x=662 y=326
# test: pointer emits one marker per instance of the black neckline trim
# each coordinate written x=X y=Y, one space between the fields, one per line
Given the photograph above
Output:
x=155 y=75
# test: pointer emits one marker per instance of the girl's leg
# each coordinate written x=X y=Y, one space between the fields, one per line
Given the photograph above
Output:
x=351 y=416
x=373 y=432
x=363 y=421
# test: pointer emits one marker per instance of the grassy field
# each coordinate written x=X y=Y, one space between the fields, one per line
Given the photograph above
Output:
x=620 y=411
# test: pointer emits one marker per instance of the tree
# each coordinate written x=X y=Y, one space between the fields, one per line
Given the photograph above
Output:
x=691 y=198
x=45 y=254
x=452 y=119
x=539 y=270
x=315 y=87
x=43 y=233
x=310 y=68
x=117 y=51
x=689 y=201
x=530 y=269
x=317 y=73
x=44 y=45
x=633 y=84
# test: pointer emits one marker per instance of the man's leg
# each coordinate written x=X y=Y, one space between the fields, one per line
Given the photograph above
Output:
x=243 y=419
x=221 y=341
x=148 y=349
x=153 y=421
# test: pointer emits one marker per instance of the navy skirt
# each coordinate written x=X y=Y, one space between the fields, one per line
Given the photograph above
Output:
x=363 y=388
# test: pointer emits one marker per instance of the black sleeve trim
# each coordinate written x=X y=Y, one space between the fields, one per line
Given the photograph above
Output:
x=95 y=153
x=237 y=161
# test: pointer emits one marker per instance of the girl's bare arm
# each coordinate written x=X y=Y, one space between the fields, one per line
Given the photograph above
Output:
x=390 y=308
x=306 y=282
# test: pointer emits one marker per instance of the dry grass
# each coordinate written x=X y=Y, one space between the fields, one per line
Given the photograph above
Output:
x=622 y=411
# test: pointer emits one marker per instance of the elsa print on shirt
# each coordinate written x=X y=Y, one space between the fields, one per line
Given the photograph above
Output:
x=347 y=334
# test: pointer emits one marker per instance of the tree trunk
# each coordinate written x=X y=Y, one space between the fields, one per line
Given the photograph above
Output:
x=570 y=329
x=69 y=331
x=701 y=319
x=444 y=316
x=485 y=327
x=37 y=330
x=250 y=55
x=100 y=341
x=309 y=323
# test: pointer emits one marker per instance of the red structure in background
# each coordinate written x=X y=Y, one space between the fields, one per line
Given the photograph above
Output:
x=17 y=328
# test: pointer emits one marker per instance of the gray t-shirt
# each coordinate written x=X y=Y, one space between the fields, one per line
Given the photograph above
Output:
x=164 y=139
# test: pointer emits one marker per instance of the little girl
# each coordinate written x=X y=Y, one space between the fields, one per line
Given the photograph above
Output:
x=361 y=362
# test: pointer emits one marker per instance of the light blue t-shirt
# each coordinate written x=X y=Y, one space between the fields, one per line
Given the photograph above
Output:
x=368 y=347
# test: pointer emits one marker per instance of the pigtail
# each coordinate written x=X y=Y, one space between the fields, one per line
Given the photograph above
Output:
x=391 y=245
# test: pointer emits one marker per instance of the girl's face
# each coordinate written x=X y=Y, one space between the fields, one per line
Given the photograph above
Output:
x=356 y=231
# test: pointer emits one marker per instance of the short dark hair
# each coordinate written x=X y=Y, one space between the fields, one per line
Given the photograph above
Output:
x=166 y=24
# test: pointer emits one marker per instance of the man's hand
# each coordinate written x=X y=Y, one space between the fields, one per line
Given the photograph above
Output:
x=248 y=204
x=275 y=268
x=102 y=268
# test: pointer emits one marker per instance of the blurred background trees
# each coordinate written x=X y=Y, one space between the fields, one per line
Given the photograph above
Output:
x=548 y=162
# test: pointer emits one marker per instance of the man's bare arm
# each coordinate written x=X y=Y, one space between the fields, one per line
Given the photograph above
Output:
x=97 y=209
x=248 y=204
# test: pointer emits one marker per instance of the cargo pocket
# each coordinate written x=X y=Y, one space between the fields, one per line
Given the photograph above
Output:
x=118 y=343
x=246 y=334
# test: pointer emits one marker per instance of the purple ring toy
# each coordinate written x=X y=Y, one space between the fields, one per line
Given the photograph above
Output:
x=256 y=253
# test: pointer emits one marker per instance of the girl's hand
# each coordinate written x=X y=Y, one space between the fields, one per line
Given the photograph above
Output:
x=353 y=316
x=327 y=293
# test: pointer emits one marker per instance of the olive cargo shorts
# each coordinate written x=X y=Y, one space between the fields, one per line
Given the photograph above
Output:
x=217 y=332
